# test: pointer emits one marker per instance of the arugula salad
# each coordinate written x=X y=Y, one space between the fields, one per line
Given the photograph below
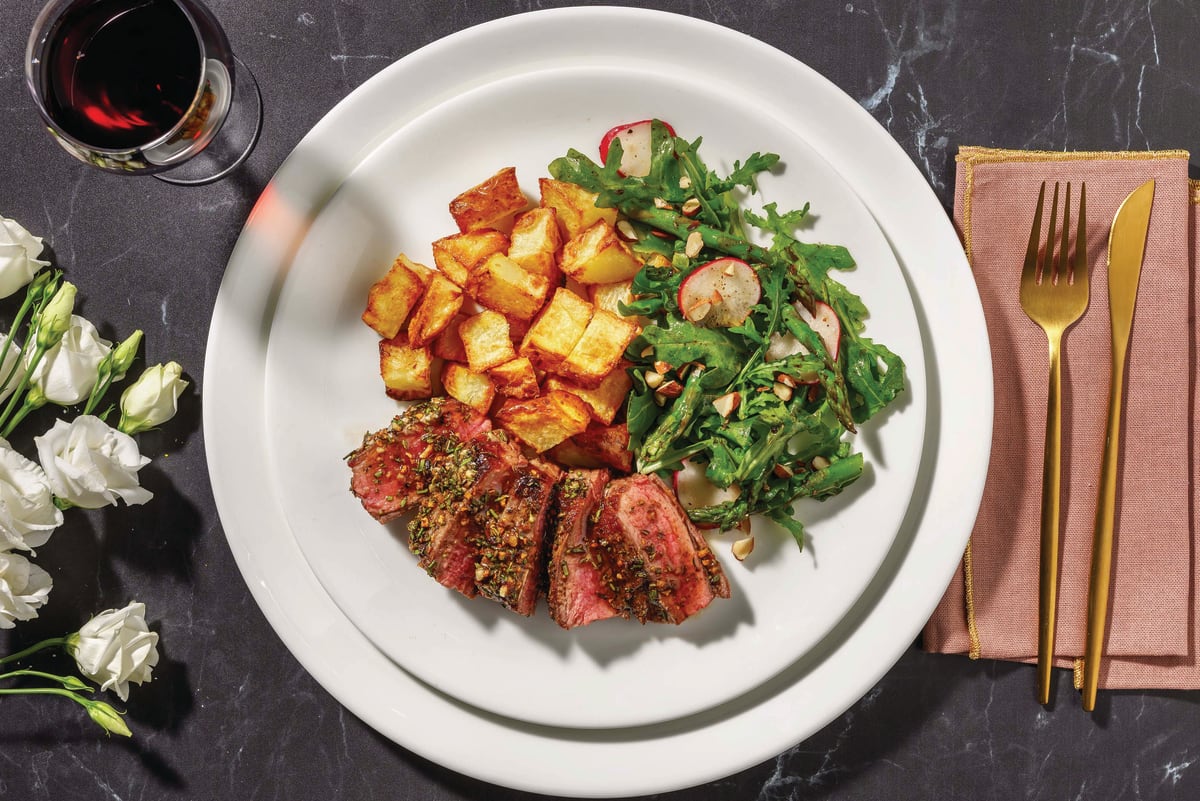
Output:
x=752 y=366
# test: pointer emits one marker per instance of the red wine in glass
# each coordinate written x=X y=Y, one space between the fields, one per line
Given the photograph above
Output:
x=140 y=86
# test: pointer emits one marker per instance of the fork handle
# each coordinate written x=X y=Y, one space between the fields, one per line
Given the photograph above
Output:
x=1051 y=493
x=1103 y=539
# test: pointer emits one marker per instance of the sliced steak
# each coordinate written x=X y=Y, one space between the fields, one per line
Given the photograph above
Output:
x=575 y=583
x=466 y=485
x=511 y=562
x=655 y=565
x=391 y=466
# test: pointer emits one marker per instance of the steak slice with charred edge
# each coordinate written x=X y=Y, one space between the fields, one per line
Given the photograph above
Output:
x=655 y=565
x=574 y=593
x=467 y=484
x=511 y=563
x=391 y=466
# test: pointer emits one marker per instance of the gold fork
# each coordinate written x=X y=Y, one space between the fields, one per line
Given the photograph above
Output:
x=1054 y=293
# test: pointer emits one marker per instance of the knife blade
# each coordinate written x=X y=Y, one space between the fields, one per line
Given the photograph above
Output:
x=1126 y=250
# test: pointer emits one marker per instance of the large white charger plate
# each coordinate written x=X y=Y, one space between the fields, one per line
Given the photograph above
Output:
x=783 y=601
x=773 y=715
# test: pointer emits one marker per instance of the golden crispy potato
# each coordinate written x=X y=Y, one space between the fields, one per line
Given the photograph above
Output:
x=442 y=301
x=407 y=372
x=610 y=296
x=516 y=379
x=491 y=204
x=571 y=455
x=448 y=344
x=502 y=285
x=544 y=421
x=575 y=207
x=605 y=399
x=458 y=255
x=486 y=341
x=599 y=350
x=474 y=389
x=393 y=297
x=598 y=256
x=556 y=330
x=608 y=445
x=535 y=242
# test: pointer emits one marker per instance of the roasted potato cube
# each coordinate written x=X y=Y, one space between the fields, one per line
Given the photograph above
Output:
x=407 y=372
x=474 y=389
x=569 y=454
x=516 y=379
x=606 y=444
x=442 y=301
x=485 y=339
x=605 y=399
x=448 y=344
x=610 y=296
x=458 y=255
x=502 y=285
x=575 y=207
x=598 y=256
x=393 y=297
x=535 y=242
x=544 y=421
x=491 y=204
x=599 y=350
x=556 y=330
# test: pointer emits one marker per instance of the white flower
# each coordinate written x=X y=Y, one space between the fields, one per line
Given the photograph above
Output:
x=151 y=400
x=24 y=588
x=9 y=366
x=19 y=251
x=68 y=371
x=27 y=512
x=115 y=648
x=91 y=464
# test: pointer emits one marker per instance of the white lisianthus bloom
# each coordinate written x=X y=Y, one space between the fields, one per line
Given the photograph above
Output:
x=19 y=251
x=68 y=371
x=24 y=588
x=91 y=464
x=115 y=648
x=27 y=512
x=152 y=399
x=10 y=355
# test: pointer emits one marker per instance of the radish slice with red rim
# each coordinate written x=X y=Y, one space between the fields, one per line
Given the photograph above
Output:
x=635 y=146
x=824 y=323
x=720 y=293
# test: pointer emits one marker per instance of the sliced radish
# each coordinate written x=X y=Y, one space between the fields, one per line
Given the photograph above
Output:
x=694 y=490
x=783 y=345
x=635 y=146
x=720 y=293
x=824 y=324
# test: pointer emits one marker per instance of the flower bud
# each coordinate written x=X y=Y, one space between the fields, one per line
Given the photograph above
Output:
x=55 y=318
x=121 y=358
x=151 y=400
x=107 y=717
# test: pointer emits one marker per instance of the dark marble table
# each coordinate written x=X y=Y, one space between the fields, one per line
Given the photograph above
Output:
x=232 y=715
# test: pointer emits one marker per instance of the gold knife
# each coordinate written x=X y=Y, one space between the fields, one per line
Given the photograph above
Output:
x=1126 y=247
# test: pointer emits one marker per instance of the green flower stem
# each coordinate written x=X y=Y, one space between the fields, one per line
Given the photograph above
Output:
x=19 y=392
x=101 y=713
x=50 y=643
x=26 y=305
x=69 y=682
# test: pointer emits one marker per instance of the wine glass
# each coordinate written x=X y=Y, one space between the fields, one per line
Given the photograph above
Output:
x=143 y=87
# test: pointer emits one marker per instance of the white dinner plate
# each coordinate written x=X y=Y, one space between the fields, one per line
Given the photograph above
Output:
x=763 y=721
x=783 y=601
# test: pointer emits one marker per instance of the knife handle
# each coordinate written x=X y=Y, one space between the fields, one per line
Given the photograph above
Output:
x=1103 y=539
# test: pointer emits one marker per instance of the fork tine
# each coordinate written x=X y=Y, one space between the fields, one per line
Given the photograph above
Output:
x=1062 y=270
x=1081 y=259
x=1047 y=271
x=1031 y=254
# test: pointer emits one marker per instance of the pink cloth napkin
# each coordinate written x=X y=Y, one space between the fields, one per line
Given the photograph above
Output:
x=990 y=609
